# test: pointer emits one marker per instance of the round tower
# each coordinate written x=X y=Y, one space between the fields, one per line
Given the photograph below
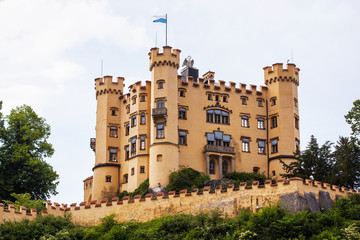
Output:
x=107 y=166
x=164 y=149
x=283 y=115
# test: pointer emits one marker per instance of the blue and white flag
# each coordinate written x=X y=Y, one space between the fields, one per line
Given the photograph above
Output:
x=161 y=19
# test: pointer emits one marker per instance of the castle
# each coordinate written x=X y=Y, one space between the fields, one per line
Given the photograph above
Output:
x=176 y=120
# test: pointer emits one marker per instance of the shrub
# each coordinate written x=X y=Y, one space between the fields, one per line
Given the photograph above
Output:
x=246 y=177
x=186 y=178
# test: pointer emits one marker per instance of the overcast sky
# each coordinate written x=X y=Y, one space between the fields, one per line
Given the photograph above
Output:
x=51 y=52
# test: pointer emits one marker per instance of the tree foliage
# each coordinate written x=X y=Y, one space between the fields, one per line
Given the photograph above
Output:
x=353 y=118
x=24 y=200
x=245 y=177
x=23 y=148
x=186 y=178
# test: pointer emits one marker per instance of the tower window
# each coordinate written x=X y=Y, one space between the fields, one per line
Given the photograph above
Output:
x=260 y=103
x=224 y=98
x=127 y=152
x=296 y=122
x=126 y=178
x=260 y=123
x=159 y=158
x=261 y=147
x=142 y=98
x=133 y=146
x=182 y=113
x=128 y=109
x=273 y=101
x=113 y=131
x=132 y=171
x=274 y=122
x=295 y=102
x=244 y=121
x=113 y=155
x=212 y=167
x=113 y=111
x=160 y=130
x=160 y=84
x=142 y=118
x=297 y=144
x=256 y=169
x=244 y=100
x=245 y=145
x=182 y=137
x=108 y=179
x=142 y=169
x=127 y=129
x=133 y=120
x=274 y=146
x=209 y=96
x=142 y=142
x=134 y=100
x=182 y=93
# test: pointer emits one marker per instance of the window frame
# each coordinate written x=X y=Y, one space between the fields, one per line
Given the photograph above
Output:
x=245 y=144
x=183 y=138
x=113 y=131
x=261 y=124
x=160 y=133
x=245 y=121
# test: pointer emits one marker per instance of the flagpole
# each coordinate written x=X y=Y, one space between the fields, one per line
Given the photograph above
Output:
x=166 y=30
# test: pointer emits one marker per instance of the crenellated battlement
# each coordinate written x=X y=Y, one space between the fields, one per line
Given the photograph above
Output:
x=167 y=57
x=221 y=85
x=106 y=85
x=278 y=73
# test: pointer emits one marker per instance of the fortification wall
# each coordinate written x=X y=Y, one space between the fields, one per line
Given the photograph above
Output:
x=294 y=194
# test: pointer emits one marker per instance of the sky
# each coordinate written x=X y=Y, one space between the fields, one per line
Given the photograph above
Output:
x=51 y=52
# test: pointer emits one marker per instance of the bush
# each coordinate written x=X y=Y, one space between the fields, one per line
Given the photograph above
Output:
x=186 y=178
x=246 y=177
x=142 y=190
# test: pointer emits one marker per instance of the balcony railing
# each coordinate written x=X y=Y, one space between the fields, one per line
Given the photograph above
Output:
x=159 y=112
x=219 y=149
x=92 y=143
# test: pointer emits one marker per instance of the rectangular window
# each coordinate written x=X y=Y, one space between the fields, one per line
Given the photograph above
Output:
x=127 y=129
x=113 y=111
x=273 y=101
x=226 y=140
x=160 y=130
x=142 y=118
x=182 y=138
x=133 y=120
x=142 y=98
x=243 y=101
x=217 y=116
x=160 y=104
x=225 y=117
x=133 y=147
x=297 y=144
x=274 y=146
x=113 y=154
x=161 y=85
x=113 y=131
x=142 y=142
x=217 y=98
x=261 y=124
x=274 y=122
x=108 y=179
x=127 y=153
x=128 y=109
x=296 y=123
x=244 y=121
x=210 y=137
x=142 y=169
x=261 y=147
x=224 y=98
x=182 y=93
x=260 y=103
x=218 y=138
x=182 y=113
x=210 y=116
x=245 y=145
x=209 y=97
x=134 y=100
x=126 y=178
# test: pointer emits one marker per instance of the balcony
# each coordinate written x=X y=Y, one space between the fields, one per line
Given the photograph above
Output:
x=92 y=143
x=159 y=113
x=219 y=149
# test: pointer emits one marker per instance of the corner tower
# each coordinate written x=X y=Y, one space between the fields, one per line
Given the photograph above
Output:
x=283 y=115
x=164 y=149
x=106 y=180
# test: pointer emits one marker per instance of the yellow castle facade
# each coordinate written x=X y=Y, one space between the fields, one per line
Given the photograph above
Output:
x=182 y=120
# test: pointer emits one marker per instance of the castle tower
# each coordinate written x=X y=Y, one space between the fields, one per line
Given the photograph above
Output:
x=164 y=149
x=106 y=170
x=283 y=115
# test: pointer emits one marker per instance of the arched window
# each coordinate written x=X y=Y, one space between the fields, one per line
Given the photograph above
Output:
x=224 y=168
x=212 y=167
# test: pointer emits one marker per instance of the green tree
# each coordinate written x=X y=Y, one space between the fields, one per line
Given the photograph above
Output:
x=347 y=162
x=353 y=118
x=315 y=160
x=24 y=200
x=23 y=147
